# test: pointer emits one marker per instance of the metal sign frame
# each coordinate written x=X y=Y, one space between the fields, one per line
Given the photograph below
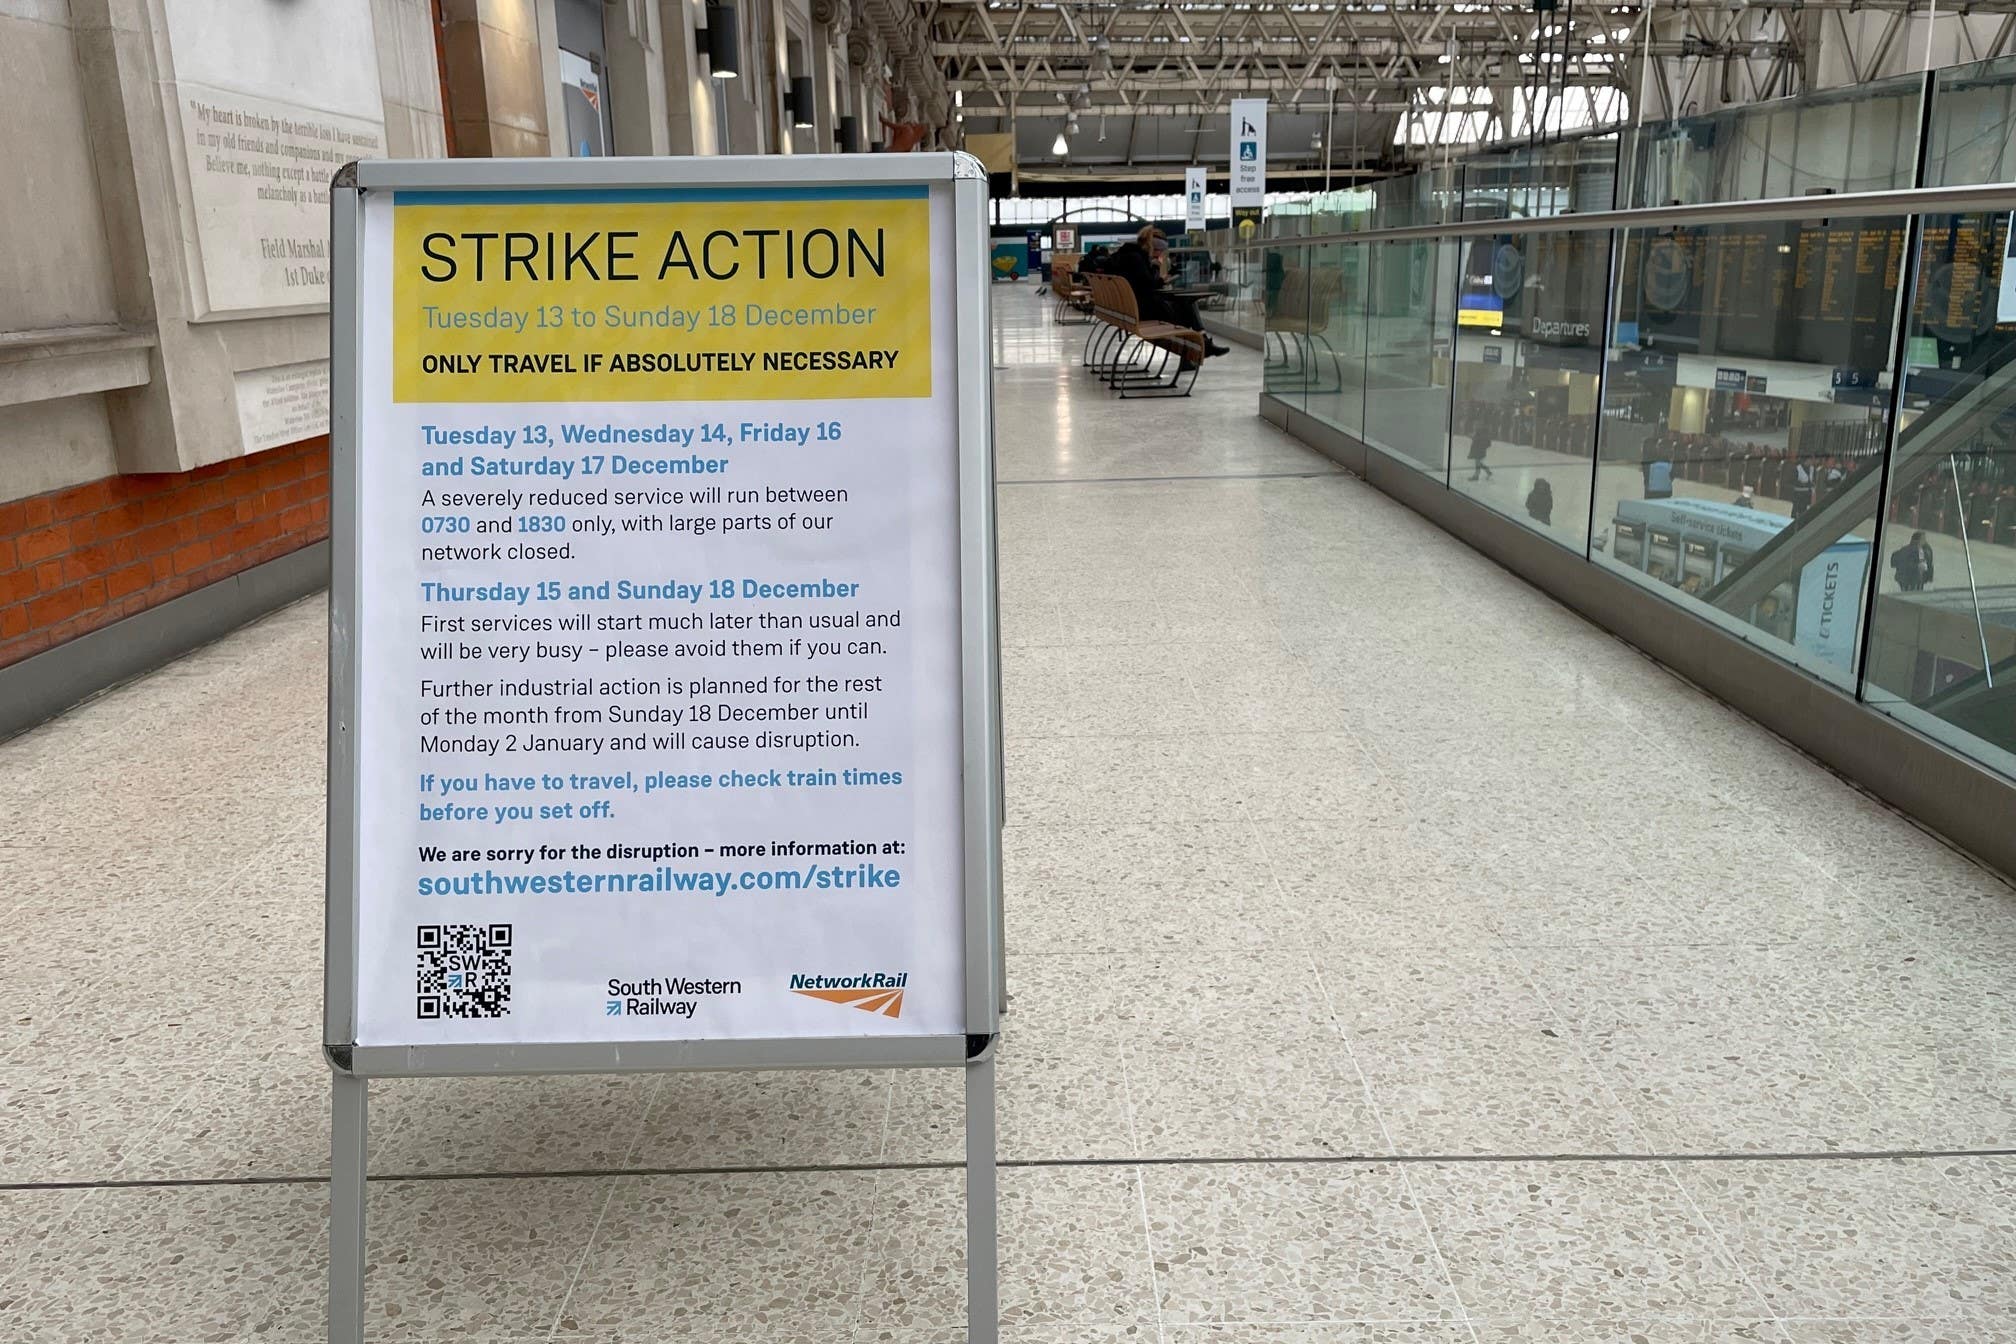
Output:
x=957 y=177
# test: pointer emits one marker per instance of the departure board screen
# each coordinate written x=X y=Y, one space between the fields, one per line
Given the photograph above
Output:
x=1817 y=292
x=1960 y=282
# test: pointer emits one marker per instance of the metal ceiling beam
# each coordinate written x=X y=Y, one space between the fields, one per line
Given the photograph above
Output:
x=1170 y=58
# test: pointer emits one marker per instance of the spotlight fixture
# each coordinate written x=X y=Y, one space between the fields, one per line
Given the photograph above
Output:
x=801 y=100
x=1061 y=147
x=848 y=133
x=724 y=59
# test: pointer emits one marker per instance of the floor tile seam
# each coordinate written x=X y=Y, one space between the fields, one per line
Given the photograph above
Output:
x=1624 y=858
x=1278 y=1322
x=1874 y=1108
x=1392 y=1159
x=889 y=1117
x=1329 y=998
x=1185 y=666
x=581 y=1264
x=1722 y=1244
x=56 y=1230
x=1441 y=1261
x=1386 y=1132
x=1576 y=1038
x=1128 y=1065
x=873 y=1243
x=12 y=1267
x=1843 y=782
x=875 y=1227
x=1883 y=918
x=143 y=1143
x=378 y=1133
x=643 y=1120
x=1148 y=1244
x=1660 y=1317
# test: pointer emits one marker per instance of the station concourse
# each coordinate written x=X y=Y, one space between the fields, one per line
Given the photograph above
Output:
x=1393 y=956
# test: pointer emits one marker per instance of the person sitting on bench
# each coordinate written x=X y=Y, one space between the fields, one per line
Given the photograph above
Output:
x=1143 y=264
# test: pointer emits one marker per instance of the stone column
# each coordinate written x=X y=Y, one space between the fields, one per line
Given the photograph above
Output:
x=496 y=78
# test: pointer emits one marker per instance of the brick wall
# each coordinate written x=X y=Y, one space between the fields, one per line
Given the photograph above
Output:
x=76 y=559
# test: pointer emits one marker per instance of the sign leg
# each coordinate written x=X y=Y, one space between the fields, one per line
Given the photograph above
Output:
x=349 y=1125
x=983 y=1296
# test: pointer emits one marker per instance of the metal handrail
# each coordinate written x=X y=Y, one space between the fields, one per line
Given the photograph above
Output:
x=1976 y=198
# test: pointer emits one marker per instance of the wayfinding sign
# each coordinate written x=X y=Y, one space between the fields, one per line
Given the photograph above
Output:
x=1249 y=164
x=664 y=729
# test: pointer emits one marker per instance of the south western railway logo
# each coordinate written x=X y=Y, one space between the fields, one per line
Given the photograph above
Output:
x=878 y=992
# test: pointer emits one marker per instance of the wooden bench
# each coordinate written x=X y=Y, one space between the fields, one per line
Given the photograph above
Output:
x=1073 y=295
x=1136 y=356
x=1297 y=324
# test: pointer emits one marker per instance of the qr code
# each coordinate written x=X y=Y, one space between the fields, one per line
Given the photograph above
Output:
x=464 y=971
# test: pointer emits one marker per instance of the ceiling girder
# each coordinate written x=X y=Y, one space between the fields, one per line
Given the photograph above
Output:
x=1378 y=58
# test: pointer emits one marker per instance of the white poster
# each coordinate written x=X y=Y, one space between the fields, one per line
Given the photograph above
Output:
x=1066 y=236
x=657 y=617
x=1193 y=198
x=1249 y=162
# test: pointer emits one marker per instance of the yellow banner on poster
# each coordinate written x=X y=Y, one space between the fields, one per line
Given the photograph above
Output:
x=662 y=295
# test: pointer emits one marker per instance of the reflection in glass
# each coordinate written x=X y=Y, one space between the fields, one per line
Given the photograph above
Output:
x=1237 y=273
x=1292 y=360
x=1529 y=351
x=1862 y=138
x=1967 y=136
x=1411 y=293
x=1942 y=646
x=1743 y=426
x=1336 y=393
x=1743 y=442
x=1573 y=176
x=1429 y=196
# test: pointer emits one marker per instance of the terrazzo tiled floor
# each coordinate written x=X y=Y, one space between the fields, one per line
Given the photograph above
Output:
x=1394 y=958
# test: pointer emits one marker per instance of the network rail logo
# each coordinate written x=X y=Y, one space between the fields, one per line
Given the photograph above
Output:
x=871 y=992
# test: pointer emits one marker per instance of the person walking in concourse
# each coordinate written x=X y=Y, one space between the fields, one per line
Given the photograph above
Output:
x=1913 y=564
x=1480 y=444
x=1540 y=503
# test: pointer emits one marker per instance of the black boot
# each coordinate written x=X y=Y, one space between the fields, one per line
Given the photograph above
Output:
x=1212 y=349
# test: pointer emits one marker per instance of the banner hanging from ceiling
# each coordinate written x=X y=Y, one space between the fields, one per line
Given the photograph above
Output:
x=1249 y=164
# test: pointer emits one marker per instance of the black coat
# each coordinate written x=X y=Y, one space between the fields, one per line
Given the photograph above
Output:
x=1540 y=502
x=1131 y=262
